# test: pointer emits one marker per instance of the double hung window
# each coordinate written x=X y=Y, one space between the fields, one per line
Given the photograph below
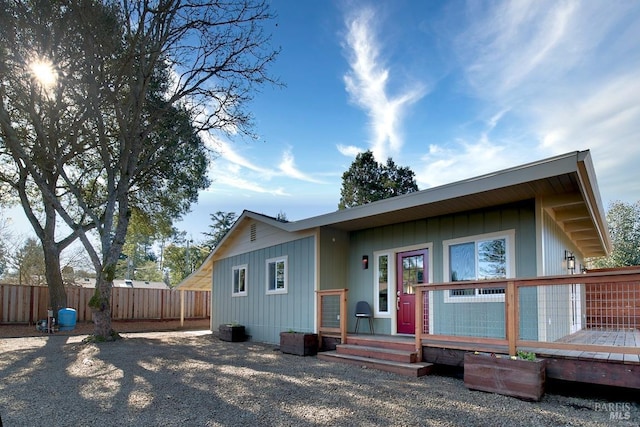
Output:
x=277 y=275
x=239 y=273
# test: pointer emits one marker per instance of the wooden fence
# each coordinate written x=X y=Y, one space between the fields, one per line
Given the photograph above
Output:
x=27 y=304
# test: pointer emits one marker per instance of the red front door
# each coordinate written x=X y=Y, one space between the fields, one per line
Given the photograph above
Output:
x=412 y=269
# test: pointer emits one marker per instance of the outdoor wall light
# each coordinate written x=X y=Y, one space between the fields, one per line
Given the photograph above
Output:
x=365 y=262
x=571 y=261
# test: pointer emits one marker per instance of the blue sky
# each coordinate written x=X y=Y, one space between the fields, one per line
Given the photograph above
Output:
x=450 y=89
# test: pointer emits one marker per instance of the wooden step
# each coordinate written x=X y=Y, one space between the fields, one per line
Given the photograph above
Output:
x=403 y=356
x=407 y=369
x=394 y=343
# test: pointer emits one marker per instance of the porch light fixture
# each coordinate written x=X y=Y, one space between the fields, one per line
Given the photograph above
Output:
x=365 y=262
x=571 y=261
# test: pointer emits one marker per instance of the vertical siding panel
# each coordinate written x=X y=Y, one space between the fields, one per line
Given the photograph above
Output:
x=265 y=316
x=408 y=233
x=434 y=235
x=460 y=225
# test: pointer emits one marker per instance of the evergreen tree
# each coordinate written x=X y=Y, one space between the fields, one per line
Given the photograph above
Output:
x=221 y=223
x=367 y=181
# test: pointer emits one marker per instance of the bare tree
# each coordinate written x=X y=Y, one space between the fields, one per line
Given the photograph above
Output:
x=138 y=82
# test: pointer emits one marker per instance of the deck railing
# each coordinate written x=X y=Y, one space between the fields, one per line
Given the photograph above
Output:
x=332 y=313
x=595 y=312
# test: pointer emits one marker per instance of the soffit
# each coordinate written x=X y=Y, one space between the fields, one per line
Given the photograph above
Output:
x=567 y=207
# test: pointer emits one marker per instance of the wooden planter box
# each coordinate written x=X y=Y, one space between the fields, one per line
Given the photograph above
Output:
x=233 y=333
x=520 y=378
x=299 y=343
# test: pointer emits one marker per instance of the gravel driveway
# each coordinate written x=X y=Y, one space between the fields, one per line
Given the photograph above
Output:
x=192 y=378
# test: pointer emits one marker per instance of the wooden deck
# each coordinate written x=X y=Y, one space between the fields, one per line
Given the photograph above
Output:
x=611 y=368
x=617 y=369
x=618 y=338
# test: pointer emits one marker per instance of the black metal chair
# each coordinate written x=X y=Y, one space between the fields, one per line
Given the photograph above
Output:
x=363 y=311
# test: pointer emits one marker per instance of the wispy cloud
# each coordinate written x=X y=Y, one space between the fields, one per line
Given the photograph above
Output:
x=508 y=45
x=465 y=159
x=367 y=83
x=235 y=180
x=566 y=70
x=349 y=150
x=228 y=153
x=288 y=168
x=234 y=169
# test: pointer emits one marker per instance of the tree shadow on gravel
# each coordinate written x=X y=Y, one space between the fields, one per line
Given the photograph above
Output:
x=195 y=380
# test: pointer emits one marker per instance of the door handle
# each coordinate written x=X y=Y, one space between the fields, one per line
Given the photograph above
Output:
x=398 y=304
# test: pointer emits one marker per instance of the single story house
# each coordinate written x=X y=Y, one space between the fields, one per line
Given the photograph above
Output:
x=538 y=219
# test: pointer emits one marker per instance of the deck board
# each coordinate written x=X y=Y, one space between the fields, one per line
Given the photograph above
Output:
x=611 y=338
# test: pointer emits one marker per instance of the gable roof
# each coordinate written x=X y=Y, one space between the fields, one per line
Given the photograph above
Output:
x=566 y=184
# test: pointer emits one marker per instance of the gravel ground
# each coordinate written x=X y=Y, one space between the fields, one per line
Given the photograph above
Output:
x=191 y=378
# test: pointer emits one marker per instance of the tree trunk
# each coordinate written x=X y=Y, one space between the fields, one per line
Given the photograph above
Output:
x=57 y=293
x=100 y=305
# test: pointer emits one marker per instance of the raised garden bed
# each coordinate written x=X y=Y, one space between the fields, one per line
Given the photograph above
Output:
x=233 y=333
x=299 y=343
x=524 y=379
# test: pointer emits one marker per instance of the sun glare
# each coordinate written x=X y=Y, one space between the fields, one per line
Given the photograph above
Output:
x=44 y=73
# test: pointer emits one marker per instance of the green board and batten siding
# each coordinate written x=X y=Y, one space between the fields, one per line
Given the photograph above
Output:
x=554 y=322
x=334 y=258
x=264 y=315
x=340 y=266
x=433 y=231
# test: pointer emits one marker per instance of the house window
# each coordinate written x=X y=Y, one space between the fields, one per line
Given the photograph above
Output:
x=239 y=281
x=381 y=268
x=483 y=257
x=277 y=275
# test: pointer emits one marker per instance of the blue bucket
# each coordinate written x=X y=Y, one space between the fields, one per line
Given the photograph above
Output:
x=66 y=319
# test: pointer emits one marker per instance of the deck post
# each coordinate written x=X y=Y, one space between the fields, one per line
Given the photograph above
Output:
x=319 y=317
x=419 y=314
x=511 y=316
x=343 y=316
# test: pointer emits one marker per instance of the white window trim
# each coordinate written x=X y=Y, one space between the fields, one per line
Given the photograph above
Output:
x=246 y=285
x=391 y=272
x=393 y=252
x=509 y=236
x=285 y=290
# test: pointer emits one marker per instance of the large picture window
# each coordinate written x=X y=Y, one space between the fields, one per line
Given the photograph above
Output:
x=277 y=275
x=239 y=273
x=483 y=257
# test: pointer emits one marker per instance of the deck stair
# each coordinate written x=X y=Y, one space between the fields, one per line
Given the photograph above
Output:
x=382 y=353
